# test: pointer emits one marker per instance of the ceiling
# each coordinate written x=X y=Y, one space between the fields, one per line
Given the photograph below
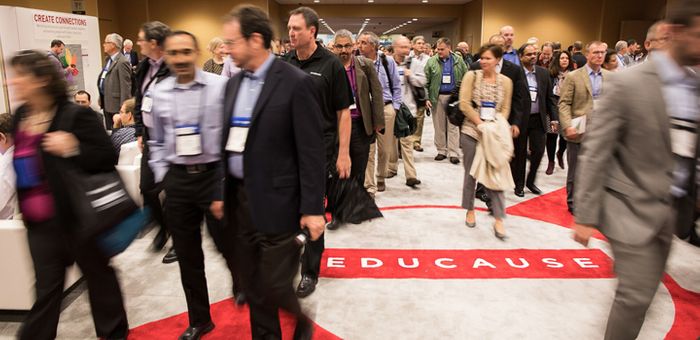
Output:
x=381 y=25
x=365 y=2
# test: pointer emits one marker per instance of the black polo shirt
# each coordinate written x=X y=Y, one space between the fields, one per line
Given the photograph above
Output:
x=332 y=84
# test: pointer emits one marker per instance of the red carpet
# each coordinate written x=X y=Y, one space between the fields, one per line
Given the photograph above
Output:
x=231 y=322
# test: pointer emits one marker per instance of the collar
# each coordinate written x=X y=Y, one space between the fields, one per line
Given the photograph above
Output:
x=670 y=72
x=500 y=66
x=317 y=53
x=261 y=72
x=590 y=71
x=114 y=56
x=534 y=70
x=511 y=51
x=9 y=152
x=199 y=78
x=445 y=60
x=156 y=63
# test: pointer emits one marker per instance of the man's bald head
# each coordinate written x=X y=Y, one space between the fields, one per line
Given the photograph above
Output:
x=402 y=46
x=508 y=34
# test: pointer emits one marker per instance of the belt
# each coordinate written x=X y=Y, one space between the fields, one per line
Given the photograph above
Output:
x=445 y=93
x=197 y=168
x=388 y=102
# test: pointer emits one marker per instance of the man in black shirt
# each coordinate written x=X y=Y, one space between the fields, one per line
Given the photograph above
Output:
x=335 y=97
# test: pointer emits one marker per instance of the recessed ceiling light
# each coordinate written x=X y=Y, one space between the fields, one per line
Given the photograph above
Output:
x=424 y=1
x=414 y=19
x=370 y=1
x=317 y=1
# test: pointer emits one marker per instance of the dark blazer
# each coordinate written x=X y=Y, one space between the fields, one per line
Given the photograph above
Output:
x=96 y=153
x=579 y=59
x=140 y=75
x=520 y=103
x=369 y=94
x=117 y=84
x=284 y=158
x=548 y=102
x=133 y=57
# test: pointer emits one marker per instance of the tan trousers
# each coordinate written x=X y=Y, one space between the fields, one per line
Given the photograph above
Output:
x=446 y=134
x=409 y=167
x=382 y=147
x=418 y=135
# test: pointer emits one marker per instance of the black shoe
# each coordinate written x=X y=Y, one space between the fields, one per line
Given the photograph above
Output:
x=381 y=186
x=160 y=240
x=195 y=333
x=440 y=157
x=170 y=257
x=412 y=182
x=333 y=225
x=519 y=192
x=304 y=330
x=418 y=148
x=240 y=299
x=454 y=160
x=534 y=189
x=307 y=285
x=560 y=159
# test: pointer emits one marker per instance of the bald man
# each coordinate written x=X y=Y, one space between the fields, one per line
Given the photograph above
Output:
x=463 y=49
x=509 y=53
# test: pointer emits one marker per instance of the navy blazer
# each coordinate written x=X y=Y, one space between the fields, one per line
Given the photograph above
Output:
x=284 y=157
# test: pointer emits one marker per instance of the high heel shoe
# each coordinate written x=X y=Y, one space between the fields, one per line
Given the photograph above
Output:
x=499 y=235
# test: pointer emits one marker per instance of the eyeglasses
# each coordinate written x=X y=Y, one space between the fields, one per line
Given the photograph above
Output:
x=185 y=52
x=343 y=47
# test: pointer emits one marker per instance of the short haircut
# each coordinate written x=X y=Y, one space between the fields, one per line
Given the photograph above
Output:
x=496 y=50
x=494 y=37
x=156 y=30
x=129 y=105
x=522 y=48
x=310 y=17
x=398 y=38
x=631 y=42
x=578 y=45
x=609 y=53
x=547 y=44
x=254 y=20
x=595 y=43
x=56 y=43
x=445 y=41
x=128 y=42
x=556 y=46
x=176 y=33
x=343 y=33
x=116 y=39
x=373 y=38
x=6 y=123
x=83 y=92
x=416 y=38
x=214 y=44
x=620 y=45
x=683 y=13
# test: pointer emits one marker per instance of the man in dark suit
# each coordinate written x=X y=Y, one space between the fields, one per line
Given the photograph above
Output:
x=274 y=169
x=542 y=105
x=114 y=82
x=580 y=60
x=129 y=52
x=519 y=109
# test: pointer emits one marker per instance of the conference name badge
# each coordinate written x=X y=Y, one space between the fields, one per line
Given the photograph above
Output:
x=488 y=111
x=533 y=94
x=446 y=79
x=238 y=134
x=188 y=140
x=146 y=104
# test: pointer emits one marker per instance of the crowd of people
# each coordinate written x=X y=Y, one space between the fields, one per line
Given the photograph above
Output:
x=261 y=124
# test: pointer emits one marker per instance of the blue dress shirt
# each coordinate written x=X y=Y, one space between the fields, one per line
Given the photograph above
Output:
x=394 y=94
x=596 y=81
x=512 y=56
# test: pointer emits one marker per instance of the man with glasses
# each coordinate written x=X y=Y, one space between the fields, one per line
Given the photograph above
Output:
x=580 y=92
x=114 y=82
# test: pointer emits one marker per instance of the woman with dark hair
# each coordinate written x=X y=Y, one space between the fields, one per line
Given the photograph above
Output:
x=560 y=66
x=485 y=99
x=54 y=136
x=610 y=62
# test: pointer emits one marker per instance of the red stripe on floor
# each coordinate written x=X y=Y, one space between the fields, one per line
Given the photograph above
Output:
x=466 y=264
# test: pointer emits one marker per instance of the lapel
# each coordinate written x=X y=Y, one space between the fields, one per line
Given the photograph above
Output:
x=273 y=79
x=655 y=86
x=114 y=63
x=587 y=80
x=360 y=79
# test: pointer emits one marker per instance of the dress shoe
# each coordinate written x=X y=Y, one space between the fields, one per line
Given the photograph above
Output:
x=454 y=160
x=333 y=225
x=170 y=257
x=470 y=224
x=499 y=235
x=304 y=330
x=391 y=174
x=550 y=168
x=412 y=182
x=519 y=192
x=534 y=189
x=381 y=186
x=418 y=148
x=440 y=157
x=560 y=159
x=195 y=333
x=160 y=240
x=307 y=285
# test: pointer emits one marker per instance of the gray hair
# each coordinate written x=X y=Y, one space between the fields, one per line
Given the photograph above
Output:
x=128 y=42
x=398 y=38
x=416 y=38
x=373 y=38
x=116 y=39
x=620 y=45
x=343 y=33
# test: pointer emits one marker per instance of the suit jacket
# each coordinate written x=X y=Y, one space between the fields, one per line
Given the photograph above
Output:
x=369 y=94
x=520 y=103
x=284 y=157
x=625 y=168
x=576 y=97
x=545 y=92
x=117 y=84
x=96 y=153
x=133 y=57
x=139 y=77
